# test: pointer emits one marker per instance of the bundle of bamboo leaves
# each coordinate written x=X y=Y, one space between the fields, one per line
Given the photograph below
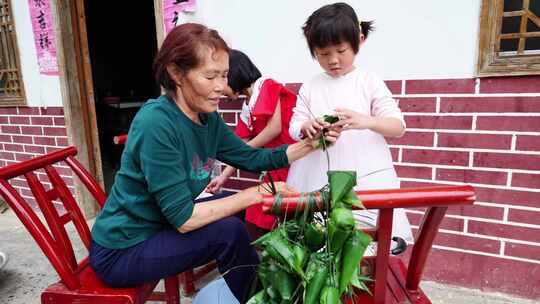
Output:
x=314 y=256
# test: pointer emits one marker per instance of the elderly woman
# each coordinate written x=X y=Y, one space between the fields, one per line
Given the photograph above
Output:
x=150 y=227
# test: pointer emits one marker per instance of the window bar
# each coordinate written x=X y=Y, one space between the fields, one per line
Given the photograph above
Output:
x=523 y=27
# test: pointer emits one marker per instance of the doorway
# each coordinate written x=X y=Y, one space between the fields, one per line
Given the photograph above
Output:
x=122 y=43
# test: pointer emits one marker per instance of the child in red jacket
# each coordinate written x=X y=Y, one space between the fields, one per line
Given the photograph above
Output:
x=264 y=122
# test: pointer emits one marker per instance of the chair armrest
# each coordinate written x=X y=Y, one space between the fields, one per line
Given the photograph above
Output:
x=385 y=199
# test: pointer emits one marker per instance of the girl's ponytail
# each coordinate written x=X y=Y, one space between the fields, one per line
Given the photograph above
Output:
x=366 y=27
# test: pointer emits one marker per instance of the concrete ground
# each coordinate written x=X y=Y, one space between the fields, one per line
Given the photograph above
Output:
x=28 y=272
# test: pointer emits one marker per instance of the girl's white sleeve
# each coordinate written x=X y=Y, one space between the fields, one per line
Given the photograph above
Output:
x=382 y=103
x=300 y=115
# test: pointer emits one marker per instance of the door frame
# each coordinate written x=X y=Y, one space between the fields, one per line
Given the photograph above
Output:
x=77 y=89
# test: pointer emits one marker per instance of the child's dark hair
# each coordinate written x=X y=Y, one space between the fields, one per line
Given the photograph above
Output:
x=333 y=24
x=242 y=72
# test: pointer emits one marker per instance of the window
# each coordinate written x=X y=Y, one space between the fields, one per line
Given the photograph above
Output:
x=11 y=85
x=509 y=38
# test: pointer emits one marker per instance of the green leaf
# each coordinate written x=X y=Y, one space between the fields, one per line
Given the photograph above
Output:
x=364 y=287
x=358 y=281
x=284 y=282
x=342 y=218
x=329 y=295
x=353 y=252
x=337 y=236
x=314 y=237
x=341 y=182
x=330 y=119
x=278 y=247
x=259 y=298
x=351 y=199
x=315 y=284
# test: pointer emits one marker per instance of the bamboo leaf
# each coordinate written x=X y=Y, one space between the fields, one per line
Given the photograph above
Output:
x=341 y=182
x=351 y=199
x=329 y=295
x=353 y=252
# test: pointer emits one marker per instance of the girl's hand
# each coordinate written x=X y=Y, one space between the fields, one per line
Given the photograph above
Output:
x=313 y=127
x=349 y=119
x=215 y=184
x=330 y=136
x=333 y=134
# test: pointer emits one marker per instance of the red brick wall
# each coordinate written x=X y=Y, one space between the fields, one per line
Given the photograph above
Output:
x=484 y=132
x=26 y=132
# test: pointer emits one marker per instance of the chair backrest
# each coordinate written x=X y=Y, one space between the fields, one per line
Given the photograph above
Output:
x=436 y=199
x=52 y=236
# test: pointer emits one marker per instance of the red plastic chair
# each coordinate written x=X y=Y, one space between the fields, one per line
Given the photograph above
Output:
x=394 y=282
x=188 y=277
x=78 y=282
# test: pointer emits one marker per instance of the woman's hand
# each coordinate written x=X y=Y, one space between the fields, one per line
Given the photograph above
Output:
x=265 y=189
x=349 y=119
x=211 y=211
x=305 y=146
x=216 y=183
x=281 y=187
x=313 y=127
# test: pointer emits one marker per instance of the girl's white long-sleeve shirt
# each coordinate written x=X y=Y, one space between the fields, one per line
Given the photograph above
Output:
x=362 y=150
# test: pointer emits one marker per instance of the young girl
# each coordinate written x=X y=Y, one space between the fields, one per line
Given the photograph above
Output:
x=363 y=104
x=264 y=122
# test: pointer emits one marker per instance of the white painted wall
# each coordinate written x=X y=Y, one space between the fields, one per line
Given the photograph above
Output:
x=419 y=39
x=41 y=90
